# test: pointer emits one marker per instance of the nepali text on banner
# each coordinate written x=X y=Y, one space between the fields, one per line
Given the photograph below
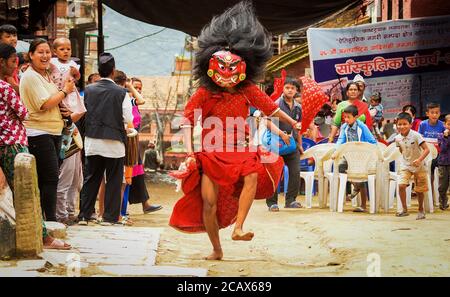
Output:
x=407 y=61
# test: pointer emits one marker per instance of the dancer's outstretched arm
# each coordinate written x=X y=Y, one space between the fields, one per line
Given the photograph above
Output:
x=272 y=127
x=296 y=125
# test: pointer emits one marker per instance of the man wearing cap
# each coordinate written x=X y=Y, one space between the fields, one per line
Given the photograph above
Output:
x=108 y=111
x=359 y=80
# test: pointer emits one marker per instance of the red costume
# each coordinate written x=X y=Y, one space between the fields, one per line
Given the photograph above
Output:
x=226 y=169
x=233 y=50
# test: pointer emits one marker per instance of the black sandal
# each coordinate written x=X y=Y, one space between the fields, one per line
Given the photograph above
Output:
x=152 y=208
x=402 y=214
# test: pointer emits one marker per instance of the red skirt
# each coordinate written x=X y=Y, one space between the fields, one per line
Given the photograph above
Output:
x=227 y=170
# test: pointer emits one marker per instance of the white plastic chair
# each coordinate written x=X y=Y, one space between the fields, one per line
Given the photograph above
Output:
x=435 y=193
x=322 y=166
x=356 y=201
x=428 y=201
x=364 y=164
x=381 y=146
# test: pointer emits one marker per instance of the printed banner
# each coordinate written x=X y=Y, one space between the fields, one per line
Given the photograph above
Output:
x=407 y=61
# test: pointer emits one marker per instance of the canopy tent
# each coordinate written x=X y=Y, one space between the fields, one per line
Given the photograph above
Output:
x=278 y=17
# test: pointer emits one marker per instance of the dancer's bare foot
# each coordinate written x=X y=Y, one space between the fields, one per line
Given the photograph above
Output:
x=238 y=234
x=216 y=255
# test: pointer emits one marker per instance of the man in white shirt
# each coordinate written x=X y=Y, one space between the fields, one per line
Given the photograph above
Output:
x=109 y=110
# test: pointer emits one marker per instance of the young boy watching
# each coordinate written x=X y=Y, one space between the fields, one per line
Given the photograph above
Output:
x=431 y=130
x=8 y=35
x=354 y=130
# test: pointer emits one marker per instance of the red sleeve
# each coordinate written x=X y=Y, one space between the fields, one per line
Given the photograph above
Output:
x=15 y=103
x=259 y=99
x=195 y=102
x=416 y=124
x=369 y=121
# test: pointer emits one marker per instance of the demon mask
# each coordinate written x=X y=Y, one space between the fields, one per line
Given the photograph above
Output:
x=226 y=69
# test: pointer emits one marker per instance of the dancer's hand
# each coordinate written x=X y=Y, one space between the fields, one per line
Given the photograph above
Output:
x=297 y=126
x=190 y=160
x=285 y=138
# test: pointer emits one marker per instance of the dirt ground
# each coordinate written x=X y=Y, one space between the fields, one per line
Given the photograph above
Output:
x=309 y=242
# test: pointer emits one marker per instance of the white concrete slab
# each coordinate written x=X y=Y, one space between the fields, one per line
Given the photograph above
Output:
x=129 y=270
x=62 y=258
x=116 y=250
x=31 y=264
x=17 y=272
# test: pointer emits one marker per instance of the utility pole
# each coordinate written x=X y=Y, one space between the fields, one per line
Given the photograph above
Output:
x=101 y=37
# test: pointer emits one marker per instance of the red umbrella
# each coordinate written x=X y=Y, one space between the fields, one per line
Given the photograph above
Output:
x=313 y=98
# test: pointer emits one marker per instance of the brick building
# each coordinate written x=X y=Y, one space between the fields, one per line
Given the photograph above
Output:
x=165 y=100
x=50 y=19
x=407 y=9
x=292 y=49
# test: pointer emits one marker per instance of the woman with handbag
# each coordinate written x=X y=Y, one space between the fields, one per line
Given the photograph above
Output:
x=223 y=178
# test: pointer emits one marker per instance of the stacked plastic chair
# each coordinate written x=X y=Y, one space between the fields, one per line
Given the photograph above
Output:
x=321 y=154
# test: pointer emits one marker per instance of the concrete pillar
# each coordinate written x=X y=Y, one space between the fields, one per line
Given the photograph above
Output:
x=28 y=207
x=7 y=220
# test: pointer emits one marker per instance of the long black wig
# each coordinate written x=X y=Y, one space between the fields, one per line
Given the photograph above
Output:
x=239 y=31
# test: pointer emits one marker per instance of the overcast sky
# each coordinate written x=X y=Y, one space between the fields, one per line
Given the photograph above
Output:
x=150 y=56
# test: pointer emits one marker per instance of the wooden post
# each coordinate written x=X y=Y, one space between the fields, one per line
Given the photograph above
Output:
x=101 y=37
